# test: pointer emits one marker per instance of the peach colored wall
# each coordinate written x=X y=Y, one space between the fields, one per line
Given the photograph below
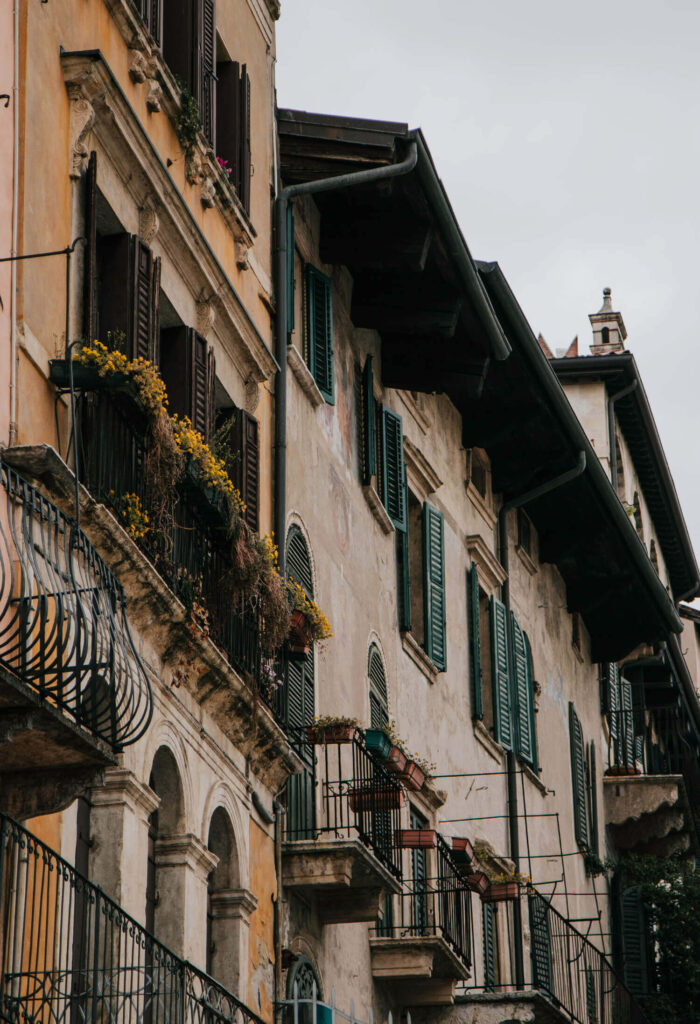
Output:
x=6 y=162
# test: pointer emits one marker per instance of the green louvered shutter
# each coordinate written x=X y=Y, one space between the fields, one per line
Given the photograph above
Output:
x=634 y=941
x=475 y=641
x=404 y=581
x=593 y=798
x=626 y=736
x=290 y=268
x=378 y=697
x=612 y=698
x=393 y=490
x=578 y=778
x=300 y=702
x=540 y=943
x=488 y=918
x=500 y=676
x=319 y=327
x=522 y=696
x=369 y=440
x=531 y=690
x=434 y=586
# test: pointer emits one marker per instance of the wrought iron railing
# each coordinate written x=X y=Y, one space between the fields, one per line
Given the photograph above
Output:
x=359 y=797
x=564 y=966
x=652 y=741
x=70 y=955
x=63 y=625
x=191 y=549
x=435 y=901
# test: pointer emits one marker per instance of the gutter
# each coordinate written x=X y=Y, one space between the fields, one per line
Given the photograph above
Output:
x=612 y=448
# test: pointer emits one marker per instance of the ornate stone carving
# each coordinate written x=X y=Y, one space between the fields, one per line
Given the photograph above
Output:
x=207 y=192
x=252 y=395
x=154 y=96
x=82 y=118
x=242 y=259
x=138 y=66
x=205 y=317
x=149 y=223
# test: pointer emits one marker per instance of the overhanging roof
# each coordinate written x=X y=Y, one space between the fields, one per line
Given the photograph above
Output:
x=638 y=426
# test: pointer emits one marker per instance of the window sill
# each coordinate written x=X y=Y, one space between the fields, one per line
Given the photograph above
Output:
x=578 y=653
x=378 y=510
x=419 y=657
x=490 y=745
x=479 y=503
x=525 y=559
x=534 y=778
x=304 y=376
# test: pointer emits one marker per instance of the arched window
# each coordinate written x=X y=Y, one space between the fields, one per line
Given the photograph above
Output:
x=168 y=820
x=223 y=930
x=605 y=335
x=301 y=982
x=300 y=705
x=378 y=698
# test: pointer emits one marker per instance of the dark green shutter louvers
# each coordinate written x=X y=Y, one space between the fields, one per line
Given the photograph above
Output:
x=393 y=490
x=489 y=930
x=319 y=326
x=500 y=676
x=625 y=739
x=475 y=641
x=541 y=943
x=531 y=690
x=290 y=269
x=593 y=798
x=635 y=936
x=369 y=441
x=578 y=778
x=524 y=740
x=612 y=698
x=378 y=697
x=434 y=586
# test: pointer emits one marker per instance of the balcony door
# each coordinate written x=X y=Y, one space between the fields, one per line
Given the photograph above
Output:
x=419 y=866
x=300 y=704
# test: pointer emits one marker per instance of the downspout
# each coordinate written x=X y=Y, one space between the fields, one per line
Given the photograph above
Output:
x=15 y=234
x=284 y=197
x=511 y=765
x=612 y=399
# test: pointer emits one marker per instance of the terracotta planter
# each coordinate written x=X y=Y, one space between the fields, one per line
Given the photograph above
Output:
x=396 y=761
x=413 y=776
x=330 y=733
x=463 y=854
x=378 y=743
x=501 y=892
x=299 y=637
x=623 y=769
x=416 y=838
x=478 y=882
x=375 y=798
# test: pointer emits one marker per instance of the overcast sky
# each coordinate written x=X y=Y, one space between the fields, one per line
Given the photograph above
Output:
x=568 y=138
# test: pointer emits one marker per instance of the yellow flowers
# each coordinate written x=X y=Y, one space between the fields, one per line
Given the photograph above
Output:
x=144 y=374
x=132 y=514
x=319 y=626
x=212 y=471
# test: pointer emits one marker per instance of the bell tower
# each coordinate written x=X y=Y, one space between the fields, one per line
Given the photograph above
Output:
x=609 y=331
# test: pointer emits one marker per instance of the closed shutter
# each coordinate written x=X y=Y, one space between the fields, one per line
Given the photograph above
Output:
x=593 y=798
x=434 y=586
x=393 y=490
x=419 y=868
x=474 y=641
x=522 y=695
x=300 y=702
x=298 y=561
x=290 y=268
x=404 y=580
x=319 y=331
x=612 y=698
x=369 y=446
x=378 y=697
x=244 y=184
x=90 y=327
x=129 y=296
x=144 y=342
x=635 y=936
x=180 y=34
x=626 y=735
x=187 y=368
x=151 y=12
x=591 y=997
x=531 y=690
x=500 y=676
x=488 y=918
x=540 y=943
x=578 y=778
x=206 y=61
x=233 y=142
x=243 y=440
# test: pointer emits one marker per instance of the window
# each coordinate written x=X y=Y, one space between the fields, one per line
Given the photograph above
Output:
x=478 y=471
x=637 y=516
x=421 y=572
x=151 y=14
x=233 y=126
x=378 y=697
x=637 y=943
x=524 y=532
x=620 y=468
x=188 y=368
x=241 y=435
x=653 y=556
x=576 y=632
x=303 y=984
x=578 y=780
x=319 y=331
x=189 y=48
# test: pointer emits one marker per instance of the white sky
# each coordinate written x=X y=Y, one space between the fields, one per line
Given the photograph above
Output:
x=568 y=138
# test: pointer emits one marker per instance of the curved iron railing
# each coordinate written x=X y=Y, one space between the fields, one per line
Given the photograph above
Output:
x=63 y=625
x=70 y=955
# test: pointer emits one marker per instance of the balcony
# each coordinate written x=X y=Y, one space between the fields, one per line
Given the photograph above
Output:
x=649 y=759
x=422 y=947
x=339 y=852
x=73 y=691
x=71 y=955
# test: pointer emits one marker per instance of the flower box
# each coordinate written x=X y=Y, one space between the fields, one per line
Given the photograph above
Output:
x=375 y=798
x=478 y=882
x=412 y=776
x=416 y=838
x=85 y=377
x=396 y=760
x=211 y=503
x=299 y=637
x=378 y=743
x=501 y=892
x=623 y=769
x=317 y=734
x=463 y=854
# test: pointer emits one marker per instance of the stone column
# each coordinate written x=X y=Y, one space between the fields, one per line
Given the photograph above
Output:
x=119 y=832
x=183 y=865
x=231 y=910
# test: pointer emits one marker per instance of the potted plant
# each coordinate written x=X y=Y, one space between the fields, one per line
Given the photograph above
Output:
x=308 y=623
x=331 y=729
x=376 y=799
x=416 y=838
x=623 y=769
x=503 y=887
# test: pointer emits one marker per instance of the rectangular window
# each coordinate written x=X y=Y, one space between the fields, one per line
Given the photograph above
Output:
x=127 y=295
x=233 y=146
x=319 y=331
x=188 y=369
x=435 y=643
x=245 y=470
x=524 y=532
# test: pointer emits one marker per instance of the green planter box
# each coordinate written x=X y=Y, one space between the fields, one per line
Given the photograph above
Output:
x=85 y=378
x=377 y=741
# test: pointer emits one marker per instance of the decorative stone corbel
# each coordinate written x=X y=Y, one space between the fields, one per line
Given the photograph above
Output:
x=138 y=66
x=242 y=257
x=149 y=222
x=252 y=395
x=207 y=192
x=205 y=317
x=154 y=96
x=82 y=118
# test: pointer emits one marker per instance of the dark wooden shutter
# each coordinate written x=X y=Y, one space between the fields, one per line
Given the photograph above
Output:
x=378 y=697
x=593 y=798
x=522 y=696
x=90 y=326
x=404 y=580
x=206 y=66
x=591 y=996
x=578 y=778
x=146 y=290
x=179 y=44
x=246 y=471
x=393 y=491
x=298 y=561
x=635 y=935
x=129 y=295
x=488 y=918
x=612 y=698
x=540 y=943
x=233 y=134
x=290 y=268
x=151 y=12
x=369 y=446
x=500 y=675
x=244 y=184
x=474 y=617
x=187 y=369
x=319 y=331
x=434 y=586
x=419 y=870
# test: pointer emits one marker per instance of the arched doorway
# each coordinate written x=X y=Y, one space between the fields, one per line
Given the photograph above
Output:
x=224 y=912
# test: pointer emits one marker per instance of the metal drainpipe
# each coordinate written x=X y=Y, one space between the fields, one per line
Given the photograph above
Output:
x=611 y=428
x=511 y=765
x=280 y=266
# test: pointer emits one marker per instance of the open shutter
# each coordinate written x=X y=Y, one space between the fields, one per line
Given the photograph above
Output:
x=434 y=586
x=500 y=678
x=206 y=69
x=578 y=778
x=290 y=268
x=369 y=446
x=319 y=328
x=187 y=369
x=488 y=918
x=531 y=691
x=129 y=296
x=634 y=941
x=393 y=490
x=378 y=697
x=475 y=641
x=244 y=184
x=593 y=798
x=626 y=732
x=146 y=292
x=540 y=943
x=522 y=696
x=179 y=43
x=243 y=439
x=90 y=326
x=612 y=698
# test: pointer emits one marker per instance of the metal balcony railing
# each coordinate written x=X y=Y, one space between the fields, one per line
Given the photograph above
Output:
x=435 y=902
x=359 y=797
x=192 y=552
x=649 y=741
x=70 y=955
x=564 y=966
x=63 y=626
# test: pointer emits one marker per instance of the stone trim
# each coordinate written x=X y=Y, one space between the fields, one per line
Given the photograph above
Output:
x=376 y=505
x=525 y=559
x=484 y=510
x=233 y=903
x=419 y=415
x=534 y=778
x=489 y=568
x=297 y=364
x=420 y=473
x=418 y=656
x=490 y=745
x=185 y=851
x=122 y=788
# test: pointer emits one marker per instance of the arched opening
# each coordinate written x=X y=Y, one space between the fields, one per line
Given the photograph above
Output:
x=167 y=821
x=300 y=706
x=302 y=984
x=605 y=335
x=223 y=905
x=378 y=696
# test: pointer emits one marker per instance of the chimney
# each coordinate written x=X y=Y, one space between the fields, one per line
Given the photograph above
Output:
x=609 y=330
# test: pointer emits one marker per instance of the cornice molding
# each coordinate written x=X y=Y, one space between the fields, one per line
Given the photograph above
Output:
x=418 y=470
x=490 y=569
